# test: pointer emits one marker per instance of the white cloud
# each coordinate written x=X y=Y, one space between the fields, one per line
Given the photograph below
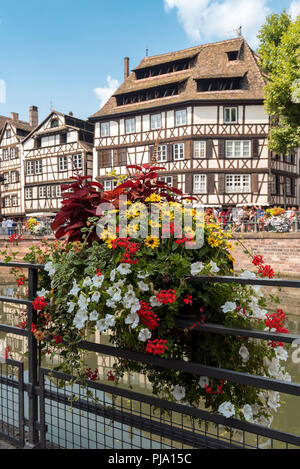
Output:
x=105 y=93
x=213 y=20
x=294 y=9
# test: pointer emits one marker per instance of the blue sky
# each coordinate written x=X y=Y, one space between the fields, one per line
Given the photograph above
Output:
x=70 y=53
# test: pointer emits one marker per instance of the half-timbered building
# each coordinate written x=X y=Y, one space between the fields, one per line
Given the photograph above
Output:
x=205 y=105
x=11 y=161
x=58 y=149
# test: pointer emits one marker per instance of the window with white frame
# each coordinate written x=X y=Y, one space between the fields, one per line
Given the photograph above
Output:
x=29 y=168
x=6 y=202
x=62 y=163
x=72 y=136
x=109 y=185
x=230 y=115
x=58 y=191
x=155 y=121
x=237 y=149
x=178 y=151
x=237 y=183
x=14 y=176
x=180 y=117
x=167 y=179
x=199 y=184
x=38 y=167
x=14 y=200
x=105 y=129
x=28 y=193
x=8 y=133
x=77 y=161
x=130 y=125
x=162 y=153
x=5 y=154
x=288 y=186
x=50 y=140
x=42 y=192
x=6 y=178
x=12 y=153
x=200 y=149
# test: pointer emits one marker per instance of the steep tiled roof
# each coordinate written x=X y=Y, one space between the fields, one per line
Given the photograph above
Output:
x=209 y=61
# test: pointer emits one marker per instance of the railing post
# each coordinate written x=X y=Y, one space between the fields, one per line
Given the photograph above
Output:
x=32 y=360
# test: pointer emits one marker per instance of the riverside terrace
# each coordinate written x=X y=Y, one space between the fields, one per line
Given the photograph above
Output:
x=110 y=417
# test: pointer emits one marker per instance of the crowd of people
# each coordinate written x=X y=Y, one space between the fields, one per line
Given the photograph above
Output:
x=255 y=218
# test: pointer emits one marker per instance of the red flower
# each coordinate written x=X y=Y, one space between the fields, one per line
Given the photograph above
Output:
x=257 y=260
x=156 y=347
x=33 y=328
x=39 y=303
x=266 y=271
x=20 y=281
x=99 y=273
x=188 y=300
x=276 y=321
x=90 y=375
x=166 y=296
x=58 y=339
x=147 y=316
x=110 y=376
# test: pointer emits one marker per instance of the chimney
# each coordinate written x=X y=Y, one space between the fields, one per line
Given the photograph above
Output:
x=14 y=116
x=126 y=67
x=33 y=116
x=71 y=114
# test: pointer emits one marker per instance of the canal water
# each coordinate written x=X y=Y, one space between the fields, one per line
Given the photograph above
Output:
x=286 y=419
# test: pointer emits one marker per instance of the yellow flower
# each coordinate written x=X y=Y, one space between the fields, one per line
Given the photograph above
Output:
x=151 y=242
x=109 y=242
x=153 y=198
x=132 y=229
x=213 y=242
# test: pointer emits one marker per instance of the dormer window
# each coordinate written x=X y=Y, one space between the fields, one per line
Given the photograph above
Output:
x=233 y=55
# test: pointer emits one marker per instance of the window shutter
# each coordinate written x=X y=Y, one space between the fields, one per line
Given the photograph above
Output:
x=222 y=149
x=221 y=184
x=188 y=148
x=254 y=183
x=170 y=152
x=116 y=157
x=123 y=156
x=17 y=152
x=17 y=176
x=209 y=149
x=175 y=181
x=255 y=151
x=292 y=187
x=210 y=184
x=63 y=138
x=293 y=158
x=151 y=153
x=189 y=184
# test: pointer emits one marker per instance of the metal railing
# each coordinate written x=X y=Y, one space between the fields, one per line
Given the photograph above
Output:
x=114 y=417
x=256 y=225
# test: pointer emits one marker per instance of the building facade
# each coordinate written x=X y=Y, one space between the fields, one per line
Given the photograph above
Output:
x=58 y=149
x=12 y=163
x=205 y=105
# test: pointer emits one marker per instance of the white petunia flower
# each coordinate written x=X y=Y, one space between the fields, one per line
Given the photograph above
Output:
x=213 y=267
x=75 y=289
x=115 y=294
x=196 y=268
x=113 y=275
x=87 y=282
x=281 y=354
x=228 y=307
x=83 y=302
x=154 y=302
x=244 y=353
x=227 y=409
x=144 y=335
x=274 y=400
x=124 y=269
x=135 y=306
x=110 y=304
x=97 y=281
x=50 y=268
x=129 y=299
x=42 y=292
x=248 y=275
x=110 y=320
x=101 y=325
x=96 y=296
x=179 y=392
x=133 y=319
x=203 y=381
x=94 y=316
x=80 y=320
x=143 y=286
x=142 y=275
x=71 y=306
x=247 y=412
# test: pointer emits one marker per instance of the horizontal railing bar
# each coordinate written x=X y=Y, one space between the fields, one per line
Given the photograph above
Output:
x=195 y=368
x=245 y=281
x=22 y=265
x=13 y=330
x=17 y=301
x=187 y=410
x=223 y=330
x=158 y=428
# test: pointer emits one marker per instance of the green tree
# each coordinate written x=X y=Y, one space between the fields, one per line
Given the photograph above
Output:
x=280 y=54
